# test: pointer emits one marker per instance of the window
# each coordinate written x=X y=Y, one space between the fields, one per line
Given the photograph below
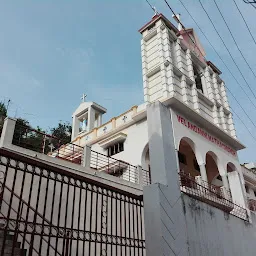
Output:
x=196 y=166
x=115 y=149
x=182 y=158
x=254 y=192
x=198 y=79
x=246 y=189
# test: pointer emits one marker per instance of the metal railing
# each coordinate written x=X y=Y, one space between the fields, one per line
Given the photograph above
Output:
x=84 y=217
x=114 y=167
x=118 y=168
x=38 y=141
x=216 y=196
x=69 y=152
x=26 y=137
x=13 y=222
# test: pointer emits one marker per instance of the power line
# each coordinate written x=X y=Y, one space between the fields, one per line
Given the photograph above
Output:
x=206 y=60
x=226 y=86
x=218 y=54
x=151 y=6
x=249 y=2
x=245 y=21
x=234 y=38
x=227 y=49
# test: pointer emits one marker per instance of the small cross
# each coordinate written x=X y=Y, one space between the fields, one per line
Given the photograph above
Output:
x=124 y=118
x=83 y=97
x=51 y=147
x=105 y=129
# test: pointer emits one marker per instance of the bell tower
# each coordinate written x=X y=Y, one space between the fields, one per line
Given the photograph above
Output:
x=86 y=117
x=175 y=69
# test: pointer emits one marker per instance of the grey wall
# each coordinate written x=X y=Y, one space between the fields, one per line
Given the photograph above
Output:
x=212 y=232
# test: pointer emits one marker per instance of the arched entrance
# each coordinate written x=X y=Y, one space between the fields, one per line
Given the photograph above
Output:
x=212 y=170
x=231 y=167
x=145 y=163
x=187 y=158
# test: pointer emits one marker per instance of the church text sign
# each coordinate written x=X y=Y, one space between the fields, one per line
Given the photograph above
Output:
x=204 y=134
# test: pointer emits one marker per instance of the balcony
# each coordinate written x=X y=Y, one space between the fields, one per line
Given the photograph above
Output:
x=19 y=137
x=215 y=196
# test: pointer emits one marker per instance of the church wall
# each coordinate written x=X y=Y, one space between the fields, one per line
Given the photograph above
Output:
x=213 y=232
x=137 y=138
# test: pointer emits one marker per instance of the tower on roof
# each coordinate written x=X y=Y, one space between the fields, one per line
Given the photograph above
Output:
x=174 y=67
x=86 y=117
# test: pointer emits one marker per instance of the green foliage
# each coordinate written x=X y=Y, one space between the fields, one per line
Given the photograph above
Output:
x=35 y=139
x=3 y=110
x=62 y=132
x=3 y=114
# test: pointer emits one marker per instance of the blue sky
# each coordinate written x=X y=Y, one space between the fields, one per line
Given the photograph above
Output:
x=52 y=51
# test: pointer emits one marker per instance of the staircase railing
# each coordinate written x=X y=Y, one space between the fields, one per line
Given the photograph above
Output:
x=19 y=217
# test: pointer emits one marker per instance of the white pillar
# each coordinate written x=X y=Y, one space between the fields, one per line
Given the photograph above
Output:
x=225 y=181
x=140 y=175
x=165 y=225
x=75 y=127
x=7 y=132
x=203 y=172
x=99 y=120
x=236 y=188
x=91 y=118
x=86 y=161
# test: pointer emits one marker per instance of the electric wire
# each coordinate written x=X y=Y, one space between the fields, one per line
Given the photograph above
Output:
x=227 y=49
x=205 y=76
x=245 y=22
x=226 y=86
x=224 y=63
x=234 y=38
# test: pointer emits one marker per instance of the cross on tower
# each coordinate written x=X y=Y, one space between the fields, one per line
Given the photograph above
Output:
x=83 y=97
x=156 y=12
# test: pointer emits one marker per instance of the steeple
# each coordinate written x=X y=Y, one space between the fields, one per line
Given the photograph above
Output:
x=86 y=117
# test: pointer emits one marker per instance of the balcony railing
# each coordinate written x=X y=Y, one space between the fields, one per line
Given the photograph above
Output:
x=218 y=197
x=119 y=168
x=26 y=137
x=35 y=140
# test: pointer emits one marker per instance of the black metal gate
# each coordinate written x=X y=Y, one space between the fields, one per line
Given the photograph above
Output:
x=49 y=211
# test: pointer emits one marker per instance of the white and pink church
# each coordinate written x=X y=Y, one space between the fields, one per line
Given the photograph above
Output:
x=176 y=73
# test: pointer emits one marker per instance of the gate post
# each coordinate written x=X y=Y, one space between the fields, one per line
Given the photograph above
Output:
x=7 y=132
x=165 y=227
x=86 y=156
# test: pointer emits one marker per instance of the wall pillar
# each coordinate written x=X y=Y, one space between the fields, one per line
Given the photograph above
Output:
x=203 y=172
x=225 y=181
x=236 y=188
x=7 y=132
x=99 y=120
x=91 y=118
x=140 y=175
x=165 y=226
x=75 y=127
x=86 y=157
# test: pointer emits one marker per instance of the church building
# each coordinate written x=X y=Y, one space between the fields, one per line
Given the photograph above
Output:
x=176 y=73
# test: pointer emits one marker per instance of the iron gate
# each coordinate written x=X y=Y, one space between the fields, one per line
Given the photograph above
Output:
x=50 y=211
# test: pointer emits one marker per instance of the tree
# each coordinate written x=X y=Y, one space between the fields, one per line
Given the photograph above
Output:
x=62 y=132
x=3 y=114
x=3 y=110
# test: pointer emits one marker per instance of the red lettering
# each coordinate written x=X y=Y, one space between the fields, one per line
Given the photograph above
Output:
x=204 y=134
